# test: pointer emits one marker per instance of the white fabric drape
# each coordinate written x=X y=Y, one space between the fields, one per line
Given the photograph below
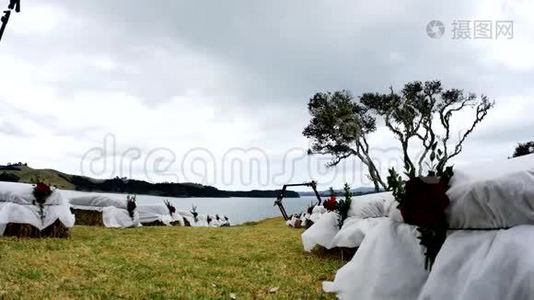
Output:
x=494 y=264
x=16 y=206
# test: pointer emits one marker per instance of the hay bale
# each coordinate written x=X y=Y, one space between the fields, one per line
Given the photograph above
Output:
x=155 y=223
x=345 y=254
x=176 y=223
x=88 y=217
x=21 y=231
x=187 y=223
x=56 y=230
x=159 y=223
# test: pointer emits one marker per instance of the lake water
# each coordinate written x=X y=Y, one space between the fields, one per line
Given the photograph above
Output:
x=239 y=210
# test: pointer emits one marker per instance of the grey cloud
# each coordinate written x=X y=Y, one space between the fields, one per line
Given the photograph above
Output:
x=265 y=58
x=17 y=118
x=275 y=51
x=12 y=129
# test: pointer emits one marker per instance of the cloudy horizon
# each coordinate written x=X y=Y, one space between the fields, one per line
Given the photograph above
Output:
x=195 y=86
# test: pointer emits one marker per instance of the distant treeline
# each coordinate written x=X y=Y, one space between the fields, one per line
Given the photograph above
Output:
x=21 y=172
x=121 y=185
x=4 y=176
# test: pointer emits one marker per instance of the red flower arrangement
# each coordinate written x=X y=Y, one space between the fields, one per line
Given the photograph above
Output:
x=342 y=206
x=131 y=206
x=331 y=203
x=41 y=192
x=425 y=202
x=422 y=202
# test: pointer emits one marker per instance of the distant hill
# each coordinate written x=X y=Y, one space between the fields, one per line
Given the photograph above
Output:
x=23 y=173
x=356 y=192
x=28 y=175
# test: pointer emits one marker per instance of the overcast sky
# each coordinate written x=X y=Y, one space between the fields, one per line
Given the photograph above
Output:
x=187 y=84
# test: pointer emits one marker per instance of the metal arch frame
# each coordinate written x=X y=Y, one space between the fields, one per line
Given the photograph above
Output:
x=278 y=202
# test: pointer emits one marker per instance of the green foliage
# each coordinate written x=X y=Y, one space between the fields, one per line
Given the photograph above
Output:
x=422 y=112
x=524 y=149
x=347 y=192
x=337 y=122
x=434 y=165
x=339 y=127
x=396 y=185
x=446 y=174
x=343 y=205
x=10 y=177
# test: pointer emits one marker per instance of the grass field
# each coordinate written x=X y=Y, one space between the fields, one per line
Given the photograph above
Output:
x=242 y=262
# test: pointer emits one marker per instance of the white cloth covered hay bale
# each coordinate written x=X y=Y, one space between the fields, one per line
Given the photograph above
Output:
x=490 y=264
x=17 y=207
x=362 y=215
x=158 y=214
x=113 y=209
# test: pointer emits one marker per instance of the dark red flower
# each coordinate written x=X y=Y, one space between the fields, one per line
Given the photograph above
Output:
x=43 y=189
x=425 y=201
x=41 y=192
x=131 y=206
x=331 y=203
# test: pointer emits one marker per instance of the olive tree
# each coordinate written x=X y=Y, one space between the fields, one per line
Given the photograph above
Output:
x=423 y=113
x=420 y=115
x=339 y=127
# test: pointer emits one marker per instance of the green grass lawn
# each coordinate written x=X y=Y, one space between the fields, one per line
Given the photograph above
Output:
x=166 y=262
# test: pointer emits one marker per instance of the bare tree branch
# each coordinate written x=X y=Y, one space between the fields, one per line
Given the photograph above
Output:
x=481 y=112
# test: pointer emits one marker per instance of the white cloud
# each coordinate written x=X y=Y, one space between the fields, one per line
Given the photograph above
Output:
x=39 y=19
x=180 y=75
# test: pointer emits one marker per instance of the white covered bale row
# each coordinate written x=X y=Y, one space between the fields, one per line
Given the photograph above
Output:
x=109 y=211
x=493 y=263
x=113 y=209
x=202 y=220
x=363 y=215
x=18 y=207
x=159 y=215
x=306 y=220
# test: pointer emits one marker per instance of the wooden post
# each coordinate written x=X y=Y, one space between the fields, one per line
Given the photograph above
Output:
x=13 y=5
x=4 y=19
